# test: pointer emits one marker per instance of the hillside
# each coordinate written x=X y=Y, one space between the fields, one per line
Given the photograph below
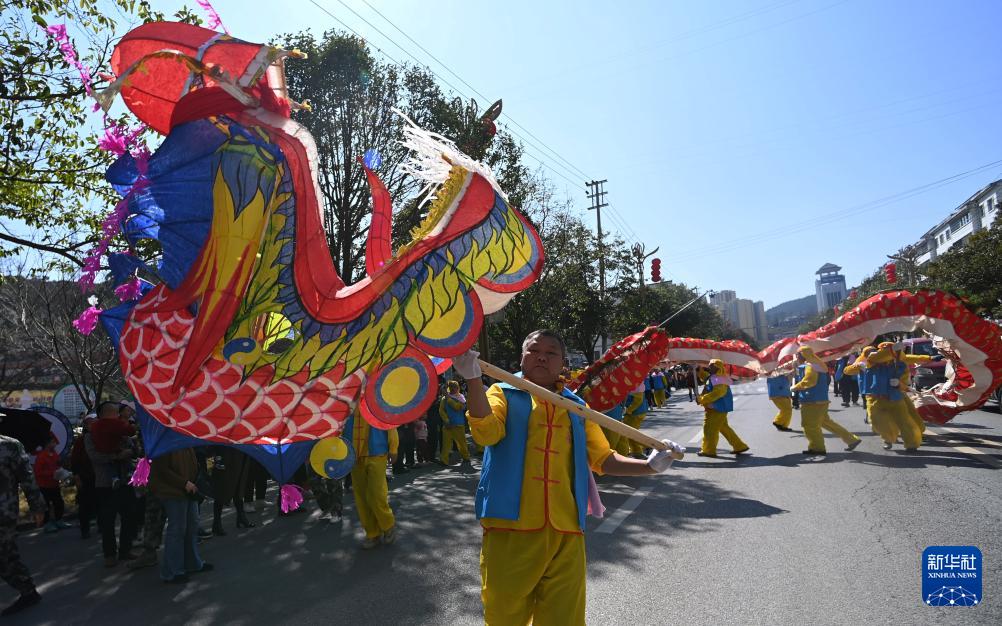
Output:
x=802 y=307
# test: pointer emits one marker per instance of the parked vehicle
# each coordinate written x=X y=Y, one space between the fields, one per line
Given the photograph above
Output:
x=927 y=374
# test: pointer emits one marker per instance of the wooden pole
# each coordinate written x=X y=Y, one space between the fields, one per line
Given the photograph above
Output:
x=602 y=420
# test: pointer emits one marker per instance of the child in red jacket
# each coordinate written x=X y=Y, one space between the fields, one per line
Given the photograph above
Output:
x=46 y=465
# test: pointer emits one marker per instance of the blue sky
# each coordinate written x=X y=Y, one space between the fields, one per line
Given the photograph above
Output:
x=722 y=126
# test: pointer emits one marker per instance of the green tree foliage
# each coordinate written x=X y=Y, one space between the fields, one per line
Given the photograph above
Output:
x=973 y=271
x=52 y=190
x=352 y=96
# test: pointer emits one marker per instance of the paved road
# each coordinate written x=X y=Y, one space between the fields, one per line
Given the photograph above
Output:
x=776 y=537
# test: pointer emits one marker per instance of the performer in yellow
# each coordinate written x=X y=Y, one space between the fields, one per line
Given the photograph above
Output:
x=888 y=408
x=906 y=378
x=534 y=490
x=636 y=411
x=368 y=479
x=452 y=409
x=658 y=386
x=617 y=441
x=779 y=393
x=717 y=401
x=859 y=369
x=812 y=387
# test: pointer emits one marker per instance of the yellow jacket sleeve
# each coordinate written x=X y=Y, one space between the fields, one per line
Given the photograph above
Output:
x=810 y=379
x=489 y=430
x=718 y=392
x=598 y=446
x=855 y=368
x=392 y=440
x=915 y=359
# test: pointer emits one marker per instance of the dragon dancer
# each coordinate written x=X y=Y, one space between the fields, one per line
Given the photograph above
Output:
x=717 y=401
x=452 y=410
x=534 y=486
x=812 y=387
x=633 y=415
x=888 y=408
x=779 y=393
x=373 y=447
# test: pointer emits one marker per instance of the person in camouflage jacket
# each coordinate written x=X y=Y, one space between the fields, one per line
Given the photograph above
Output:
x=15 y=471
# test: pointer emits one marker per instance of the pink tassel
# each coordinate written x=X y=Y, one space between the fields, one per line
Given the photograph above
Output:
x=141 y=476
x=130 y=290
x=292 y=497
x=595 y=506
x=87 y=322
x=213 y=21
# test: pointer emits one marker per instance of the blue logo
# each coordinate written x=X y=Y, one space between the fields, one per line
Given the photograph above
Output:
x=951 y=576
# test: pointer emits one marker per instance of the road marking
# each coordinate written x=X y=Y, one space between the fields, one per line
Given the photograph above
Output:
x=980 y=455
x=613 y=521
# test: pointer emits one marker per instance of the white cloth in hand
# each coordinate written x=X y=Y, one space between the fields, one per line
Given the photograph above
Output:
x=466 y=365
x=661 y=460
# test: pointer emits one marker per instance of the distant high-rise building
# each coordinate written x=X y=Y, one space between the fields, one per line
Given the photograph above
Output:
x=742 y=314
x=829 y=287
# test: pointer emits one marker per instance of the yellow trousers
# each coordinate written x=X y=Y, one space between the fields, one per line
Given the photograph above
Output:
x=659 y=397
x=368 y=483
x=785 y=415
x=913 y=413
x=454 y=435
x=813 y=418
x=536 y=576
x=894 y=418
x=632 y=447
x=617 y=442
x=714 y=425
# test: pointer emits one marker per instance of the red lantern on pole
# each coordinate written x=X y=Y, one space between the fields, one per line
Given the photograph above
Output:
x=656 y=270
x=852 y=294
x=891 y=273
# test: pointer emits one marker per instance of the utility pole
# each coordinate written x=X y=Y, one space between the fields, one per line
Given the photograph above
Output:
x=641 y=255
x=909 y=258
x=597 y=196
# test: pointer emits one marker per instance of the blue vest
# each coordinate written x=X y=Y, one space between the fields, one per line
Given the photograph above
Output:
x=817 y=393
x=457 y=417
x=642 y=407
x=724 y=404
x=779 y=386
x=616 y=412
x=657 y=382
x=880 y=380
x=865 y=381
x=379 y=444
x=499 y=493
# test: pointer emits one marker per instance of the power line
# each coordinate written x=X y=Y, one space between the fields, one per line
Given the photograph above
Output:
x=821 y=220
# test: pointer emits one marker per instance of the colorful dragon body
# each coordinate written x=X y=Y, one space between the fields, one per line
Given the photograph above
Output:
x=253 y=337
x=972 y=345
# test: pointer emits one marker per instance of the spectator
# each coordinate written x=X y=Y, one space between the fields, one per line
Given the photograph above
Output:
x=111 y=434
x=257 y=485
x=172 y=480
x=115 y=498
x=329 y=493
x=83 y=476
x=153 y=533
x=15 y=471
x=229 y=480
x=424 y=453
x=405 y=460
x=46 y=465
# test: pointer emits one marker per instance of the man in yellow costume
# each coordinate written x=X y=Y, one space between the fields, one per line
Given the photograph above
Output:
x=812 y=387
x=633 y=415
x=373 y=447
x=888 y=409
x=533 y=491
x=717 y=401
x=779 y=392
x=452 y=410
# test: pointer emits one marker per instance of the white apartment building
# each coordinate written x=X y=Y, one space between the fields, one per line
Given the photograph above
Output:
x=743 y=314
x=974 y=214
